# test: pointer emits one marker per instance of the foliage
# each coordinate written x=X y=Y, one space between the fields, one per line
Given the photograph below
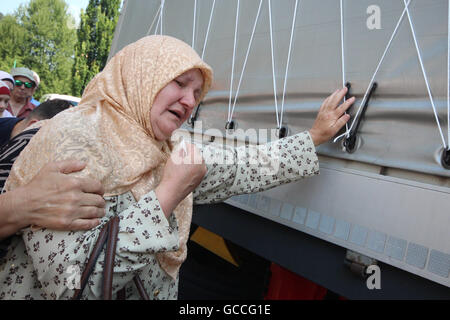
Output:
x=95 y=35
x=12 y=45
x=51 y=43
x=38 y=37
x=41 y=36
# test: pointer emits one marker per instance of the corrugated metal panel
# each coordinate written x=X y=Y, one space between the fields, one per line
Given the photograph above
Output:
x=399 y=129
x=401 y=220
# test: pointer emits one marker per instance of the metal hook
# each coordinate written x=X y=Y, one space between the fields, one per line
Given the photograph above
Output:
x=350 y=142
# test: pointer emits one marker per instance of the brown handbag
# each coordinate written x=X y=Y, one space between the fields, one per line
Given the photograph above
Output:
x=108 y=234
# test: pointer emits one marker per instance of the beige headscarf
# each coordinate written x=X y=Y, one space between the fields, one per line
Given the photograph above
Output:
x=111 y=130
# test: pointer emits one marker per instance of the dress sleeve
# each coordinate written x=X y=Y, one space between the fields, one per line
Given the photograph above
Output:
x=143 y=231
x=251 y=168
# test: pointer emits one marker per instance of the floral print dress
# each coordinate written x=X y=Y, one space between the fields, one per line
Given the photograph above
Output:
x=46 y=264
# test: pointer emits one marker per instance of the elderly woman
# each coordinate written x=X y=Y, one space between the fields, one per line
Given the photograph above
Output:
x=122 y=130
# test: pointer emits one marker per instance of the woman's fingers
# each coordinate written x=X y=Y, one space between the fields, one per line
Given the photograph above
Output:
x=344 y=106
x=342 y=121
x=337 y=97
x=331 y=118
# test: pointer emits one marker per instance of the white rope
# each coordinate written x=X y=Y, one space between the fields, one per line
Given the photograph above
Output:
x=154 y=20
x=209 y=27
x=273 y=64
x=193 y=24
x=448 y=73
x=234 y=58
x=162 y=13
x=374 y=75
x=419 y=55
x=288 y=61
x=341 y=5
x=342 y=44
x=159 y=20
x=206 y=37
x=246 y=58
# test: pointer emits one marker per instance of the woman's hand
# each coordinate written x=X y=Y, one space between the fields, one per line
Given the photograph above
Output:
x=331 y=117
x=183 y=172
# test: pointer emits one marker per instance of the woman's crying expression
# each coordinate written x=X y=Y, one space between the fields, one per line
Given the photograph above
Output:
x=175 y=102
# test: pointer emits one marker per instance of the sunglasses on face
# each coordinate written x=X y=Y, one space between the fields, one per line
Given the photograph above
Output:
x=27 y=84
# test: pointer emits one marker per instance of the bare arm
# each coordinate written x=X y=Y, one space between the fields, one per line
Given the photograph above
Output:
x=53 y=200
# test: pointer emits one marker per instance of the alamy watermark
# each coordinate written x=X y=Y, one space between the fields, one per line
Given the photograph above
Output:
x=373 y=22
x=374 y=279
x=264 y=158
x=74 y=278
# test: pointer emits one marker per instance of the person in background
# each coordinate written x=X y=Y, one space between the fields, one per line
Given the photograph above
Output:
x=24 y=85
x=9 y=81
x=7 y=78
x=5 y=95
x=20 y=135
x=37 y=80
x=10 y=128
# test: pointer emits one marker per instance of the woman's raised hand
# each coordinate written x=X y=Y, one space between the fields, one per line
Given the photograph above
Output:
x=183 y=172
x=331 y=117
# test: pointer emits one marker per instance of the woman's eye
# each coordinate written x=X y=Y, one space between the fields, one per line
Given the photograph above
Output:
x=179 y=83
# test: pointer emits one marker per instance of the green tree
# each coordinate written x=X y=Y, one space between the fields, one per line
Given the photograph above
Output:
x=51 y=43
x=12 y=44
x=95 y=35
x=38 y=36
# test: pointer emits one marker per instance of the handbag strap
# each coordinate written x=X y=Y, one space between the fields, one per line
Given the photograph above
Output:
x=140 y=288
x=108 y=266
x=107 y=235
x=92 y=261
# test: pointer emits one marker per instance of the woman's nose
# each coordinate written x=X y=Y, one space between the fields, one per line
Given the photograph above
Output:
x=189 y=99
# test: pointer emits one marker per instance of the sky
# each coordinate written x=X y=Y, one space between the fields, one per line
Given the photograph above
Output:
x=75 y=6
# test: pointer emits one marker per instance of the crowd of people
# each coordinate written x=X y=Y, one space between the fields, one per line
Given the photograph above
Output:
x=22 y=84
x=112 y=157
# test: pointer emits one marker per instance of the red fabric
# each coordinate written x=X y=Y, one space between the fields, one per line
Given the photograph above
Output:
x=26 y=109
x=286 y=285
x=5 y=90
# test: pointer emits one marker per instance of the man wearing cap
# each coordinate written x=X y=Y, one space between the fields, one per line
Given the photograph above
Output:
x=24 y=85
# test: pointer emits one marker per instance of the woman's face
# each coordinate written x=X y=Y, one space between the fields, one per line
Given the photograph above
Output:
x=4 y=99
x=175 y=102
